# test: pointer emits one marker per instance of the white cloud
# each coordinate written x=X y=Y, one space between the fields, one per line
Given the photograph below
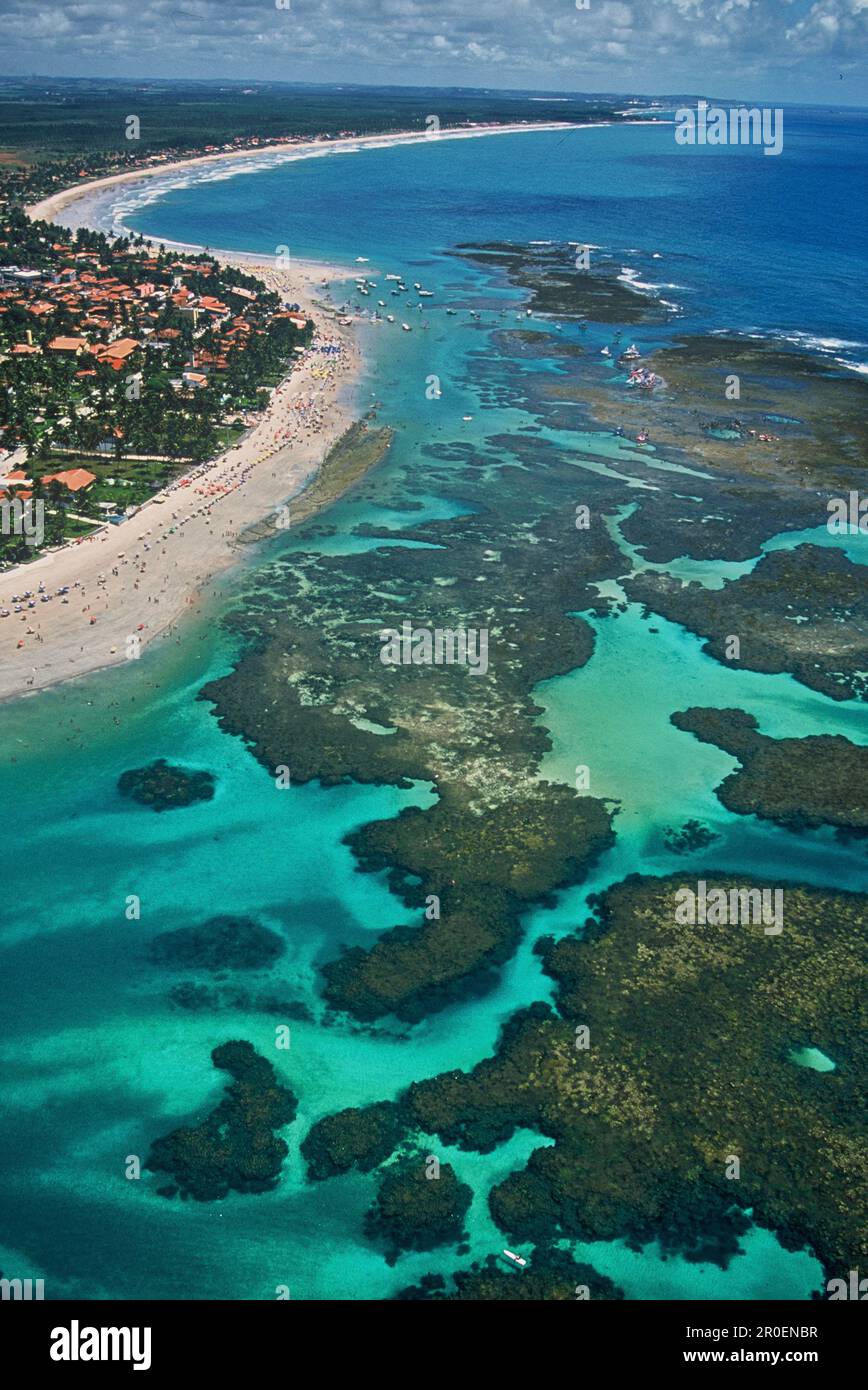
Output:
x=686 y=44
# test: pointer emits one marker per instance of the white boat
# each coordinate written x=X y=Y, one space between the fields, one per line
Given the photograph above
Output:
x=393 y=277
x=406 y=327
x=362 y=260
x=631 y=352
x=382 y=303
x=516 y=1259
x=390 y=318
x=417 y=285
x=604 y=352
x=426 y=294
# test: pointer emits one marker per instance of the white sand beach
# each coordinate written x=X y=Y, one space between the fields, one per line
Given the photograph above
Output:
x=131 y=582
x=50 y=208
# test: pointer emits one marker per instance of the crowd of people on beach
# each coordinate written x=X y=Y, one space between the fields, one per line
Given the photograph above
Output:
x=291 y=418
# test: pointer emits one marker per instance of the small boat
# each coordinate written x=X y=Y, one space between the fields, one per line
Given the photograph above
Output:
x=604 y=352
x=362 y=260
x=382 y=303
x=426 y=294
x=390 y=318
x=416 y=285
x=630 y=353
x=516 y=1259
x=393 y=277
x=406 y=327
x=467 y=417
x=528 y=313
x=642 y=437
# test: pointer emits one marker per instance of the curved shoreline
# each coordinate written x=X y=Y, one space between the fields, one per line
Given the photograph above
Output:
x=48 y=208
x=259 y=473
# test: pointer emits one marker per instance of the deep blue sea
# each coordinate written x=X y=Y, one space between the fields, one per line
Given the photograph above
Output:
x=96 y=1062
x=736 y=238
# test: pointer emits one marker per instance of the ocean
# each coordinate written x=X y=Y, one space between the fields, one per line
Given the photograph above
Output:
x=96 y=1060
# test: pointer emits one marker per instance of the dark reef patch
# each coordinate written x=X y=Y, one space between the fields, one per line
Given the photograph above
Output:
x=235 y=1148
x=691 y=1030
x=551 y=1275
x=222 y=943
x=415 y=1210
x=164 y=787
x=556 y=287
x=802 y=611
x=359 y=449
x=482 y=869
x=692 y=836
x=355 y=1138
x=198 y=998
x=799 y=782
x=310 y=681
x=776 y=477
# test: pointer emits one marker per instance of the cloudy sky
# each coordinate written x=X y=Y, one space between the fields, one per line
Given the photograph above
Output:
x=811 y=50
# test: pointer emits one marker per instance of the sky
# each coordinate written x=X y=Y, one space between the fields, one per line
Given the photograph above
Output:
x=785 y=50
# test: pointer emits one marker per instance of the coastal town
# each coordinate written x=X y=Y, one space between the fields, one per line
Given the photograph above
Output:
x=155 y=402
x=119 y=365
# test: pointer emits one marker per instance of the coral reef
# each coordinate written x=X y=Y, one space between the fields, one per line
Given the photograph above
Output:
x=164 y=787
x=235 y=1147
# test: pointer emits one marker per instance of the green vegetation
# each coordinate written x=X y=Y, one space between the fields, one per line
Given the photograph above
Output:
x=48 y=119
x=126 y=362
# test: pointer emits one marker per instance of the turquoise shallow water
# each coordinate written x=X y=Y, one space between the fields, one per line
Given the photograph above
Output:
x=96 y=1061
